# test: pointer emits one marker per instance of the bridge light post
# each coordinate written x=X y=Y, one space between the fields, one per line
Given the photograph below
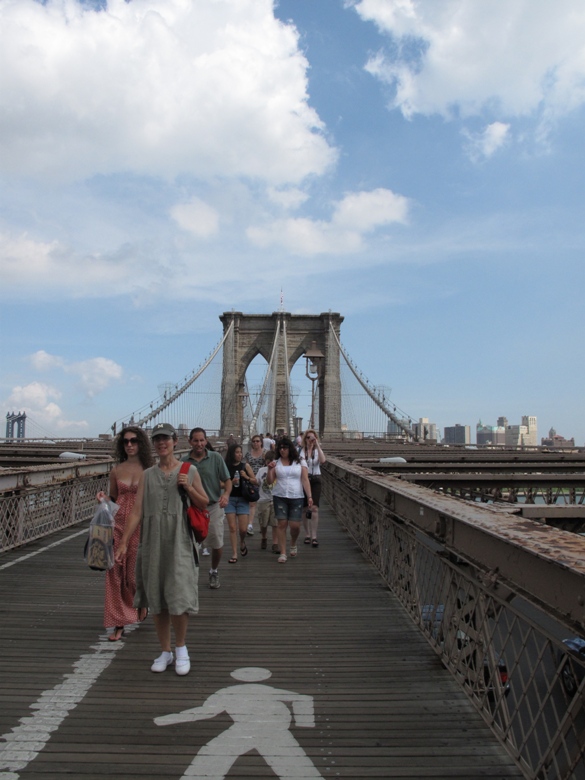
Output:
x=314 y=366
x=244 y=396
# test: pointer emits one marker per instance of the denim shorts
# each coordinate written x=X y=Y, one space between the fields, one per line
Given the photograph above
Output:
x=237 y=506
x=288 y=508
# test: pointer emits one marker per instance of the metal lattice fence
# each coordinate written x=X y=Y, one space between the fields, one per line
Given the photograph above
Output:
x=33 y=512
x=505 y=652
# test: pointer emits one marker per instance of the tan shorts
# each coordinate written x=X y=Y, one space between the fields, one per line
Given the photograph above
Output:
x=215 y=534
x=265 y=514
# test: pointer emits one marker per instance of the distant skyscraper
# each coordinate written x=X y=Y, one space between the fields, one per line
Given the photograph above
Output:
x=493 y=435
x=524 y=435
x=457 y=434
x=425 y=430
x=530 y=423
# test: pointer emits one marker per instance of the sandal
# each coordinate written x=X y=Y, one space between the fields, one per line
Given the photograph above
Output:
x=142 y=614
x=293 y=551
x=307 y=540
x=243 y=550
x=282 y=558
x=233 y=560
x=315 y=543
x=116 y=634
x=276 y=549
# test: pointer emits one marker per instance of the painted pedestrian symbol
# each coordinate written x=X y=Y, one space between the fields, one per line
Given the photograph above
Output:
x=261 y=722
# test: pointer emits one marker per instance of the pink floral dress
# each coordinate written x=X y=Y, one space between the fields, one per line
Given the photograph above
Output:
x=121 y=579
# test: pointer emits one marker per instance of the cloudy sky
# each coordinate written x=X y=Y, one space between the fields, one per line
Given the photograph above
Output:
x=415 y=165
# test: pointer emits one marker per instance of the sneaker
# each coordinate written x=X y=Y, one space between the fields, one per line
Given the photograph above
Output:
x=205 y=551
x=250 y=530
x=161 y=663
x=214 y=580
x=182 y=666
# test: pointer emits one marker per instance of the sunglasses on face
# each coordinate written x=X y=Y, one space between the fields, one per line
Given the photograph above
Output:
x=133 y=440
x=283 y=447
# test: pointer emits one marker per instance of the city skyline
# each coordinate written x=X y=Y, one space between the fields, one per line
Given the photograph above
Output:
x=416 y=167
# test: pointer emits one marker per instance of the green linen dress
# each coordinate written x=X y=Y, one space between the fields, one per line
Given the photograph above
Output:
x=166 y=571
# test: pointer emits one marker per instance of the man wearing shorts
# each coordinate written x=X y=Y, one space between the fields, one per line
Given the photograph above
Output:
x=265 y=506
x=215 y=477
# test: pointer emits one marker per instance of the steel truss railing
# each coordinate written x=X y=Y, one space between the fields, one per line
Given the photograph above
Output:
x=505 y=652
x=29 y=512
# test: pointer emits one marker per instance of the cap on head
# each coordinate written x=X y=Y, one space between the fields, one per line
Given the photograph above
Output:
x=163 y=429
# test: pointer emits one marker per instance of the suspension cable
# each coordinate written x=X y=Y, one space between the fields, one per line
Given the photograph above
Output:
x=371 y=392
x=269 y=375
x=179 y=392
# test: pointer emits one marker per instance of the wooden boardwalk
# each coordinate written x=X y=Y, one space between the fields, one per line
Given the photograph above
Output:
x=74 y=705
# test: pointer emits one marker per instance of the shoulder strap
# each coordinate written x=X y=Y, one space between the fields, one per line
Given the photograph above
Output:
x=185 y=466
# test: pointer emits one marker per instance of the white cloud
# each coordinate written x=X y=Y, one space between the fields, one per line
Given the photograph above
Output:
x=37 y=400
x=486 y=143
x=155 y=87
x=515 y=57
x=196 y=217
x=289 y=198
x=94 y=374
x=356 y=214
x=42 y=361
x=364 y=211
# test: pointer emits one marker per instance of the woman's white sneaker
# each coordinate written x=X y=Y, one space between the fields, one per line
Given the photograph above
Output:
x=161 y=663
x=182 y=662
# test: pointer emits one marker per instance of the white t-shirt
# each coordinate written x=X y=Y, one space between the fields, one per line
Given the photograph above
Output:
x=268 y=444
x=264 y=488
x=288 y=480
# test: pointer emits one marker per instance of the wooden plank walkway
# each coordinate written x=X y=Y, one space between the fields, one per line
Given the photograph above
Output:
x=75 y=705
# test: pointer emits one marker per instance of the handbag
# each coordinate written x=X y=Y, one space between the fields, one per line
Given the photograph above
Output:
x=250 y=492
x=198 y=518
x=99 y=546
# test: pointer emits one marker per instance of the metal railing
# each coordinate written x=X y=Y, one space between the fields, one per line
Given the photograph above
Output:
x=39 y=501
x=504 y=650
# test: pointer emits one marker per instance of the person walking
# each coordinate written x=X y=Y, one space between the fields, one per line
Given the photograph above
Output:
x=238 y=507
x=254 y=457
x=314 y=456
x=265 y=509
x=216 y=482
x=166 y=565
x=290 y=473
x=133 y=453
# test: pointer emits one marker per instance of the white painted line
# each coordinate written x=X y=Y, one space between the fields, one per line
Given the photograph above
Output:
x=23 y=744
x=261 y=721
x=38 y=552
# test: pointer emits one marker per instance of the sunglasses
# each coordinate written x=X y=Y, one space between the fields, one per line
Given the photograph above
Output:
x=133 y=440
x=283 y=447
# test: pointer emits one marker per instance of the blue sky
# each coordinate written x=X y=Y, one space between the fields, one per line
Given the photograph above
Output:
x=416 y=166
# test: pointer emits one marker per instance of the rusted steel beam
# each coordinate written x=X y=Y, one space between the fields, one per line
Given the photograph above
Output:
x=36 y=476
x=544 y=564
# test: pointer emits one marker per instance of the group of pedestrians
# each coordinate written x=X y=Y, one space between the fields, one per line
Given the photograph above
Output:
x=156 y=558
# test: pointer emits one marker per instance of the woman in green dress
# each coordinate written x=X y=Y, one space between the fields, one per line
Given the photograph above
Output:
x=166 y=566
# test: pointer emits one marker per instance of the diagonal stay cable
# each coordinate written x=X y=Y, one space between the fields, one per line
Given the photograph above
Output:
x=396 y=420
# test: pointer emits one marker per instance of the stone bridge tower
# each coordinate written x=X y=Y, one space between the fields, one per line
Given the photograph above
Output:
x=254 y=334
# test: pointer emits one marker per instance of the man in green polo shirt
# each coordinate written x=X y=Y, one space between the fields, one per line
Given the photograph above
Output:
x=215 y=477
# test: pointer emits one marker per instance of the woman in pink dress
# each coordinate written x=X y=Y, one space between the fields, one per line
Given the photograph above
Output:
x=133 y=454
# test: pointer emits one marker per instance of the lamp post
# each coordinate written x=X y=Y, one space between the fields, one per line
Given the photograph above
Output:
x=244 y=401
x=314 y=361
